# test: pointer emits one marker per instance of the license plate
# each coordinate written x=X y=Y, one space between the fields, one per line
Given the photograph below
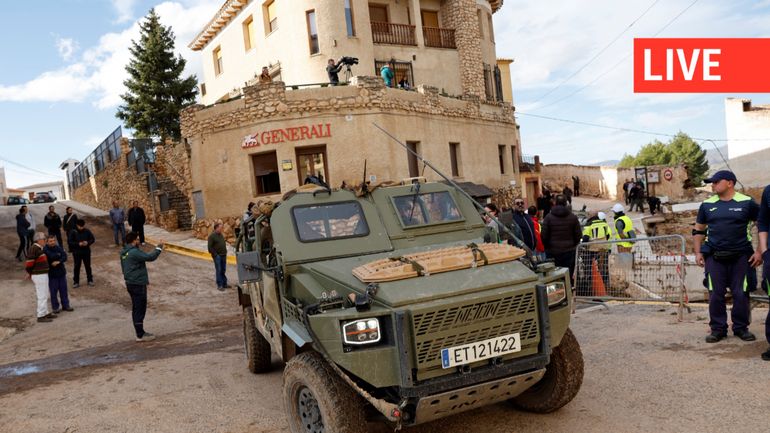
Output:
x=480 y=350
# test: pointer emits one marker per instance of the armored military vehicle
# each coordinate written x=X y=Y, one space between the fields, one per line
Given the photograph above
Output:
x=388 y=303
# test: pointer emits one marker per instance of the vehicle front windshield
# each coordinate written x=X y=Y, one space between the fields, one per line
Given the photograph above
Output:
x=329 y=221
x=426 y=208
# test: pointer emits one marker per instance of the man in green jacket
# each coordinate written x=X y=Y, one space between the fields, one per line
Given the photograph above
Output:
x=133 y=262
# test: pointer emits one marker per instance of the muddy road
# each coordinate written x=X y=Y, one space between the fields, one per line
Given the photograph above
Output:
x=84 y=372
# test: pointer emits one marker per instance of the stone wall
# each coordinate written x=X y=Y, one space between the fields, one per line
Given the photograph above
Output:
x=607 y=182
x=117 y=181
x=267 y=101
x=461 y=16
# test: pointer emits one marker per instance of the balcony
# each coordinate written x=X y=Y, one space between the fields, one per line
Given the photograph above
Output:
x=393 y=34
x=439 y=38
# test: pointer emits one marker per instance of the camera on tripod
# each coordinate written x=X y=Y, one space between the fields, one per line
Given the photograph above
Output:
x=349 y=60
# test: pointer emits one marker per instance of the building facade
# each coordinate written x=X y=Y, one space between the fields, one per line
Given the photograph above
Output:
x=261 y=140
x=747 y=126
x=447 y=44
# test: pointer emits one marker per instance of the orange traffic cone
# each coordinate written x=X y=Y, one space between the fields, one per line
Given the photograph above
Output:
x=597 y=282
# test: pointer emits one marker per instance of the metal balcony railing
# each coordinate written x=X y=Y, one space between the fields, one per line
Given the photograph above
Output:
x=393 y=34
x=527 y=159
x=439 y=38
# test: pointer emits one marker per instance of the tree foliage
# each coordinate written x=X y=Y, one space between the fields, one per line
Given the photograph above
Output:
x=681 y=149
x=156 y=91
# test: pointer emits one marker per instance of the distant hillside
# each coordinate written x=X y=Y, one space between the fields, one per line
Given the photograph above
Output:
x=607 y=163
x=715 y=161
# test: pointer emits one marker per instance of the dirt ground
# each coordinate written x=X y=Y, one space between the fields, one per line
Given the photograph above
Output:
x=84 y=373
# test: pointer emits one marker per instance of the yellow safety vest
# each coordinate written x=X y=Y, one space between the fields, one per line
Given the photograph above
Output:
x=598 y=230
x=628 y=226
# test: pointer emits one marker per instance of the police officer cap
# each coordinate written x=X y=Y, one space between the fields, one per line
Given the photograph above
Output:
x=602 y=215
x=617 y=208
x=721 y=175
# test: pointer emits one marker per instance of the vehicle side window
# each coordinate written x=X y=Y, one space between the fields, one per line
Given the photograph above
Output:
x=331 y=221
x=427 y=208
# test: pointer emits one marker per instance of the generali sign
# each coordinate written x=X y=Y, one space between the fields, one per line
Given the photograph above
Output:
x=298 y=133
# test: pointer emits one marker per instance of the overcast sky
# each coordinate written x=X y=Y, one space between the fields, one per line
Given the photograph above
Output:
x=59 y=87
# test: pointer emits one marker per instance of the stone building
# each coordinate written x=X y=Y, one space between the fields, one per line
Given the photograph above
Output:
x=264 y=139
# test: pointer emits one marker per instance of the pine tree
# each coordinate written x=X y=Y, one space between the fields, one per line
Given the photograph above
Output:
x=686 y=151
x=156 y=92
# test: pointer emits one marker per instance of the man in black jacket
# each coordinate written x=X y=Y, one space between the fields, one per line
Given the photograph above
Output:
x=524 y=221
x=52 y=222
x=136 y=220
x=69 y=221
x=22 y=227
x=80 y=241
x=561 y=235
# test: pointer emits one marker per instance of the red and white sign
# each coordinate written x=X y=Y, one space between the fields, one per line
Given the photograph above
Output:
x=705 y=65
x=668 y=174
x=297 y=133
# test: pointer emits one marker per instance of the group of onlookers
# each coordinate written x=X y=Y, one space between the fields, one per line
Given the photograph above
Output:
x=45 y=253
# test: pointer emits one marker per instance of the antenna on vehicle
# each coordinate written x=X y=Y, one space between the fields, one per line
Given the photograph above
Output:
x=517 y=242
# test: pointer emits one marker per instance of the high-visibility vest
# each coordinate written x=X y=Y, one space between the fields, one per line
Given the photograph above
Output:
x=628 y=227
x=598 y=230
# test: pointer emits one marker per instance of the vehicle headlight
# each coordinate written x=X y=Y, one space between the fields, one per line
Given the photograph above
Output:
x=363 y=331
x=556 y=292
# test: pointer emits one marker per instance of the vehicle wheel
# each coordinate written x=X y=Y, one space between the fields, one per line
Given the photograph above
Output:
x=561 y=382
x=258 y=351
x=317 y=400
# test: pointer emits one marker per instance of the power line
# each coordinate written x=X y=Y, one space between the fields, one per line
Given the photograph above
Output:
x=600 y=76
x=599 y=53
x=634 y=130
x=30 y=168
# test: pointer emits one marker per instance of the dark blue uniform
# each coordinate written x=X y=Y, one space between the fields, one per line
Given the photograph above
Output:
x=727 y=250
x=763 y=223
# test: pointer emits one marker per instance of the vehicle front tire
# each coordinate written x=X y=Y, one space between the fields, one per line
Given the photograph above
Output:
x=258 y=351
x=317 y=400
x=561 y=382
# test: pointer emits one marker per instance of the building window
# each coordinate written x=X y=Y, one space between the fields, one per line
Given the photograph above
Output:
x=270 y=16
x=454 y=158
x=312 y=32
x=481 y=23
x=414 y=166
x=501 y=157
x=203 y=89
x=349 y=18
x=402 y=72
x=248 y=33
x=266 y=173
x=491 y=29
x=311 y=161
x=218 y=69
x=378 y=13
x=514 y=158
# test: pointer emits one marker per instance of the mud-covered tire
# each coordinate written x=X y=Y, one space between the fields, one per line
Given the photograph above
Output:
x=258 y=351
x=316 y=399
x=562 y=380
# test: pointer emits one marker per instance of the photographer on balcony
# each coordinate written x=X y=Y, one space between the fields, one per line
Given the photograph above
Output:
x=332 y=69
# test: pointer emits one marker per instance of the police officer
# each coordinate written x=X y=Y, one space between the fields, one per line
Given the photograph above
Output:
x=724 y=220
x=763 y=222
x=624 y=228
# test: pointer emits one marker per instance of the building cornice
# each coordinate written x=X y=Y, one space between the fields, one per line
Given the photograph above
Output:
x=222 y=18
x=496 y=5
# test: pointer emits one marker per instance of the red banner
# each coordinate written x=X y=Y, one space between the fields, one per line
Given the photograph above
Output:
x=709 y=65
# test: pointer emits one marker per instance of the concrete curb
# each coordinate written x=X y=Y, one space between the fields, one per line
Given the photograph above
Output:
x=189 y=252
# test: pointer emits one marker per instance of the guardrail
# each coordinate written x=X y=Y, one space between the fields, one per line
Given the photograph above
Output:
x=439 y=38
x=650 y=269
x=393 y=34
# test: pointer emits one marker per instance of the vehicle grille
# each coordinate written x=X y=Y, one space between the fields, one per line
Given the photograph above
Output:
x=465 y=323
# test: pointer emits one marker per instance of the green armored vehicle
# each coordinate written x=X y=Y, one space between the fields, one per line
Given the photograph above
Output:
x=389 y=302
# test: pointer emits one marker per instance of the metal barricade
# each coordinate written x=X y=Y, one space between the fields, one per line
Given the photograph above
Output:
x=651 y=269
